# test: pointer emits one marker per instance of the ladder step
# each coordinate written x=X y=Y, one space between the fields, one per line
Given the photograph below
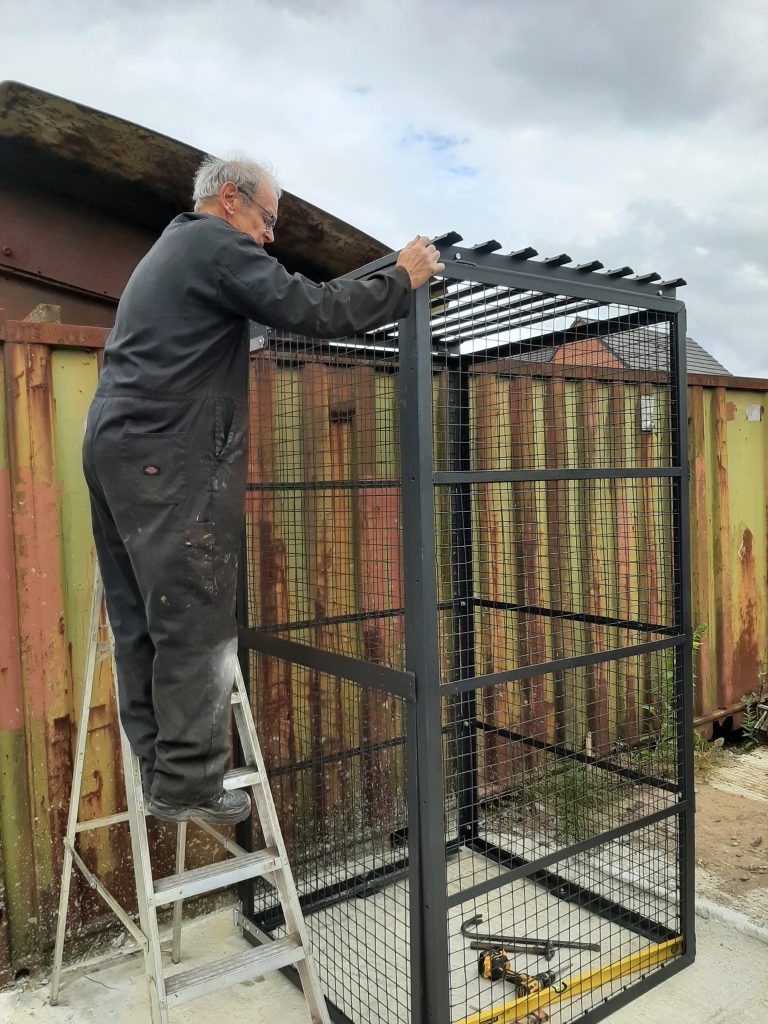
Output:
x=215 y=876
x=272 y=956
x=235 y=697
x=239 y=778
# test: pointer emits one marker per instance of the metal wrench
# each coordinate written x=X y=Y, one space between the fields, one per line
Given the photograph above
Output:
x=519 y=943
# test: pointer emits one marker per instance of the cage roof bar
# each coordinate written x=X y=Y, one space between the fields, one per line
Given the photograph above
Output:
x=544 y=311
x=554 y=268
x=490 y=306
x=557 y=261
x=490 y=246
x=535 y=277
x=620 y=272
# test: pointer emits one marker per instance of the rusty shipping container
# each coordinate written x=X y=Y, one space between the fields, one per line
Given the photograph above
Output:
x=728 y=451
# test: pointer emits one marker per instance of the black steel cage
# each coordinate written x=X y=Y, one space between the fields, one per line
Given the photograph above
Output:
x=464 y=618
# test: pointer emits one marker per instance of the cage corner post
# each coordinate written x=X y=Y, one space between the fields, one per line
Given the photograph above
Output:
x=464 y=704
x=684 y=653
x=430 y=1003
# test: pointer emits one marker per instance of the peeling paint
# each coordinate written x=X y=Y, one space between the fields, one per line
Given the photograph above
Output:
x=746 y=653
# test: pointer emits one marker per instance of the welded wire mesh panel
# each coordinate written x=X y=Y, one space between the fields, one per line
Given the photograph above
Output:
x=559 y=568
x=534 y=776
x=559 y=595
x=554 y=382
x=575 y=554
x=323 y=496
x=335 y=755
x=620 y=902
x=550 y=658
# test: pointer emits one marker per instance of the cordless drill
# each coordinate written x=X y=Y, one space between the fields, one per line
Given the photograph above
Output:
x=494 y=964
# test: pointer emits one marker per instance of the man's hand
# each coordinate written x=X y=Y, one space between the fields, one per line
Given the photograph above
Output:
x=420 y=259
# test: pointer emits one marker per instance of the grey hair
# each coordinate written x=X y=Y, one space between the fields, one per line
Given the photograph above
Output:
x=213 y=173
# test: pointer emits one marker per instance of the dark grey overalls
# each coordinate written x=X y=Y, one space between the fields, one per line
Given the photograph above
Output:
x=165 y=458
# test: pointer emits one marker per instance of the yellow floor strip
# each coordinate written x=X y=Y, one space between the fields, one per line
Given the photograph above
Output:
x=510 y=1012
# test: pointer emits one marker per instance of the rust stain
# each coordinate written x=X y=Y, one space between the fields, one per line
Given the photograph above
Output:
x=722 y=556
x=39 y=594
x=700 y=570
x=91 y=794
x=379 y=549
x=70 y=660
x=730 y=411
x=379 y=561
x=269 y=553
x=746 y=653
x=10 y=653
x=499 y=752
x=598 y=710
x=556 y=443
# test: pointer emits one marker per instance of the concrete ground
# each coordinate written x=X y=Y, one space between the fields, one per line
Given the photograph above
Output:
x=728 y=984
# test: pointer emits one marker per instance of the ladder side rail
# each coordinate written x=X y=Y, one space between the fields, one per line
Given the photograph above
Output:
x=283 y=877
x=181 y=845
x=145 y=887
x=77 y=782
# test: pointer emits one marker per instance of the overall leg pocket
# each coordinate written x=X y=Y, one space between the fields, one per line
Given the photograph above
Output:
x=230 y=429
x=223 y=425
x=154 y=468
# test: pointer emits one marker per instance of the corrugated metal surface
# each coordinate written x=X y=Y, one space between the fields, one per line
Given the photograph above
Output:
x=48 y=373
x=728 y=452
x=562 y=541
x=46 y=574
x=48 y=566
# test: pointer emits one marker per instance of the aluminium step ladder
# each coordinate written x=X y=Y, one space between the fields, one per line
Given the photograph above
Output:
x=270 y=863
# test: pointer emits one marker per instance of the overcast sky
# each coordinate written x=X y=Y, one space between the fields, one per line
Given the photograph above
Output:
x=628 y=132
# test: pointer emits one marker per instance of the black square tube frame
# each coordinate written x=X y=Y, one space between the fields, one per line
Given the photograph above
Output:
x=419 y=686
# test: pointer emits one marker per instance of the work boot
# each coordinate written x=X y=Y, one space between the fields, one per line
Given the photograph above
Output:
x=227 y=808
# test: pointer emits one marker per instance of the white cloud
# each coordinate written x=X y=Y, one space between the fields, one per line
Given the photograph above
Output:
x=611 y=131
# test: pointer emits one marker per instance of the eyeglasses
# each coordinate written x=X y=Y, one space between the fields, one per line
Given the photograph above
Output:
x=269 y=220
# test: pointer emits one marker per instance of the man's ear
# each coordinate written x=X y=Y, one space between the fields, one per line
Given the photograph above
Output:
x=227 y=194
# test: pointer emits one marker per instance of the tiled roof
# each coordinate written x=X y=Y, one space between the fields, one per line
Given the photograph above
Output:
x=701 y=361
x=642 y=349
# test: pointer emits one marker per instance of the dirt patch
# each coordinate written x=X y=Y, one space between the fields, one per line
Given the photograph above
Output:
x=732 y=833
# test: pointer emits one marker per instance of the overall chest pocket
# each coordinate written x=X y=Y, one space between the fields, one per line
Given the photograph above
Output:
x=154 y=467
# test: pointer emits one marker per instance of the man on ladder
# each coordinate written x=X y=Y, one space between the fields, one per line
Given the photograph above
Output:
x=165 y=458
